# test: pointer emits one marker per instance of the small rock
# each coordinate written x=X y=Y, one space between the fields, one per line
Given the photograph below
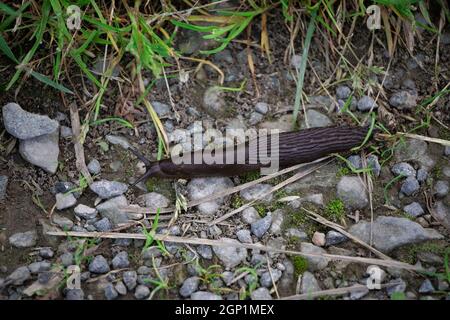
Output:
x=392 y=232
x=255 y=191
x=111 y=209
x=250 y=215
x=46 y=253
x=66 y=259
x=117 y=140
x=355 y=161
x=426 y=287
x=40 y=266
x=204 y=295
x=260 y=227
x=120 y=288
x=318 y=239
x=108 y=189
x=18 y=276
x=352 y=192
x=162 y=109
x=262 y=107
x=277 y=221
x=410 y=186
x=255 y=118
x=155 y=200
x=205 y=251
x=343 y=92
x=374 y=164
x=315 y=119
x=62 y=222
x=85 y=212
x=414 y=150
x=3 y=185
x=314 y=263
x=296 y=61
x=99 y=265
x=447 y=151
x=296 y=234
x=110 y=292
x=41 y=151
x=309 y=283
x=25 y=125
x=74 y=294
x=441 y=188
x=120 y=261
x=65 y=200
x=366 y=103
x=404 y=169
x=94 y=167
x=244 y=236
x=230 y=255
x=414 y=209
x=334 y=237
x=65 y=132
x=141 y=292
x=214 y=102
x=103 y=225
x=203 y=187
x=396 y=285
x=23 y=239
x=130 y=279
x=261 y=294
x=403 y=100
x=190 y=285
x=422 y=175
x=266 y=279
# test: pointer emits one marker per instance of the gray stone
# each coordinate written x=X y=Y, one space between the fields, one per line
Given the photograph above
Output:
x=355 y=161
x=260 y=227
x=277 y=221
x=110 y=292
x=118 y=140
x=205 y=251
x=250 y=215
x=395 y=285
x=366 y=103
x=230 y=255
x=65 y=132
x=190 y=285
x=214 y=102
x=426 y=287
x=296 y=61
x=39 y=266
x=46 y=253
x=66 y=259
x=99 y=265
x=343 y=92
x=120 y=288
x=441 y=188
x=205 y=295
x=410 y=186
x=334 y=237
x=266 y=279
x=162 y=109
x=315 y=119
x=120 y=261
x=351 y=190
x=65 y=200
x=141 y=292
x=262 y=107
x=447 y=151
x=422 y=175
x=414 y=209
x=85 y=212
x=155 y=200
x=392 y=232
x=296 y=234
x=3 y=186
x=94 y=167
x=41 y=151
x=74 y=294
x=23 y=239
x=25 y=125
x=18 y=276
x=374 y=164
x=403 y=100
x=108 y=189
x=261 y=294
x=324 y=177
x=203 y=187
x=130 y=279
x=414 y=150
x=111 y=209
x=309 y=283
x=244 y=236
x=314 y=263
x=62 y=222
x=442 y=213
x=256 y=191
x=255 y=118
x=356 y=295
x=404 y=169
x=103 y=225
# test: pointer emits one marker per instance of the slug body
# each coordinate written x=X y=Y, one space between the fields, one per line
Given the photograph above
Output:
x=293 y=148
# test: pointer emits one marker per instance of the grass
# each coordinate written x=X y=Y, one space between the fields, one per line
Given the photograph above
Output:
x=335 y=210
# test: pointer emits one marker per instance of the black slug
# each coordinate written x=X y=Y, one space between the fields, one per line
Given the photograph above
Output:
x=294 y=148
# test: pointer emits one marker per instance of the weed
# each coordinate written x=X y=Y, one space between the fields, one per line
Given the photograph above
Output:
x=300 y=265
x=335 y=210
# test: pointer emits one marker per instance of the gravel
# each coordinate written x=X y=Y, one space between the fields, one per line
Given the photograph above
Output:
x=120 y=261
x=343 y=92
x=46 y=253
x=3 y=186
x=74 y=294
x=260 y=227
x=244 y=236
x=250 y=215
x=103 y=225
x=314 y=263
x=366 y=103
x=66 y=259
x=110 y=292
x=351 y=191
x=404 y=169
x=426 y=287
x=255 y=191
x=262 y=107
x=85 y=212
x=64 y=201
x=334 y=237
x=106 y=189
x=94 y=167
x=203 y=187
x=18 y=276
x=414 y=209
x=261 y=294
x=23 y=239
x=403 y=100
x=141 y=292
x=111 y=209
x=316 y=119
x=205 y=295
x=190 y=285
x=99 y=265
x=41 y=151
x=121 y=288
x=118 y=140
x=230 y=255
x=318 y=239
x=266 y=278
x=62 y=222
x=309 y=283
x=130 y=279
x=441 y=188
x=155 y=200
x=410 y=186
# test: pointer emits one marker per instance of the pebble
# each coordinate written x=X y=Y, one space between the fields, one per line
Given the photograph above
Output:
x=404 y=169
x=65 y=132
x=277 y=221
x=130 y=279
x=255 y=118
x=40 y=266
x=162 y=109
x=155 y=200
x=351 y=191
x=343 y=92
x=315 y=119
x=3 y=185
x=141 y=292
x=85 y=212
x=46 y=253
x=66 y=259
x=266 y=278
x=262 y=107
x=374 y=164
x=447 y=151
x=395 y=285
x=230 y=255
x=441 y=188
x=74 y=294
x=426 y=287
x=203 y=187
x=41 y=151
x=366 y=103
x=260 y=227
x=334 y=237
x=111 y=209
x=205 y=251
x=118 y=140
x=244 y=236
x=214 y=103
x=414 y=209
x=296 y=234
x=190 y=285
x=110 y=292
x=422 y=175
x=318 y=239
x=120 y=288
x=99 y=265
x=355 y=161
x=204 y=295
x=250 y=215
x=120 y=261
x=309 y=283
x=26 y=125
x=410 y=186
x=19 y=276
x=108 y=189
x=65 y=200
x=62 y=222
x=255 y=191
x=403 y=100
x=261 y=294
x=314 y=263
x=23 y=239
x=94 y=167
x=103 y=225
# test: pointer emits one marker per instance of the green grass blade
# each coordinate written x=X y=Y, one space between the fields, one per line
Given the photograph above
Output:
x=44 y=79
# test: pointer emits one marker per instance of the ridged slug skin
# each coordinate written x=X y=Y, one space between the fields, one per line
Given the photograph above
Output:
x=294 y=148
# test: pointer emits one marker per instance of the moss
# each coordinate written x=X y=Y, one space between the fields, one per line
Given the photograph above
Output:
x=409 y=254
x=250 y=176
x=262 y=209
x=300 y=265
x=343 y=171
x=335 y=210
x=236 y=201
